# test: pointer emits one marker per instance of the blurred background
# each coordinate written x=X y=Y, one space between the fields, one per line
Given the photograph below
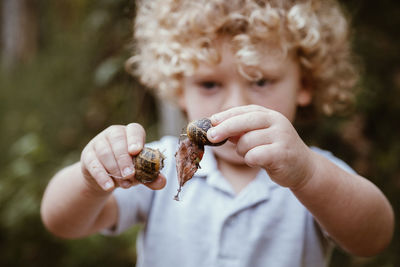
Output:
x=62 y=81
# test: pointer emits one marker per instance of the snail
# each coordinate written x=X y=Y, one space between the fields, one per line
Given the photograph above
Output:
x=191 y=150
x=148 y=164
x=196 y=131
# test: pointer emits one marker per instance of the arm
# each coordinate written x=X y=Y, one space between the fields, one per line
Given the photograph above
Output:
x=78 y=200
x=351 y=209
x=71 y=208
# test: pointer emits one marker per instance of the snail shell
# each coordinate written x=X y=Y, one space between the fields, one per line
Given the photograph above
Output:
x=148 y=164
x=197 y=132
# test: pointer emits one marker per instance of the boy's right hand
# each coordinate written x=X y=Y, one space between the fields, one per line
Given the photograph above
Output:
x=106 y=161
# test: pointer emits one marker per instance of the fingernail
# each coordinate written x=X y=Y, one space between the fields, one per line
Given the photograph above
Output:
x=108 y=185
x=212 y=133
x=127 y=171
x=134 y=148
x=214 y=118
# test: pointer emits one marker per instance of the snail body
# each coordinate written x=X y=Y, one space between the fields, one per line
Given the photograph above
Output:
x=148 y=164
x=191 y=150
x=197 y=132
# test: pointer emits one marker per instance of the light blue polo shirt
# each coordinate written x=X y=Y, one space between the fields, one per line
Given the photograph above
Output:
x=264 y=225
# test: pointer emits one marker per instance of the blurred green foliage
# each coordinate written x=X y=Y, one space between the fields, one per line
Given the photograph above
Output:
x=76 y=86
x=50 y=108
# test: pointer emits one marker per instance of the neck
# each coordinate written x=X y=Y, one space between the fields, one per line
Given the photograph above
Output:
x=238 y=175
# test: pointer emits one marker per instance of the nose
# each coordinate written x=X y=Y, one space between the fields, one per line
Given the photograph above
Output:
x=236 y=96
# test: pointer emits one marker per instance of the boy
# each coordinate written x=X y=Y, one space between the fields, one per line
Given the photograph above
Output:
x=262 y=199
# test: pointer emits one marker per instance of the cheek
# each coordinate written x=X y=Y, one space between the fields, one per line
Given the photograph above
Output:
x=194 y=109
x=287 y=107
x=197 y=106
x=283 y=103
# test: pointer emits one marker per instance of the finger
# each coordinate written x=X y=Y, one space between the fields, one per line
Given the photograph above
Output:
x=104 y=153
x=116 y=137
x=238 y=125
x=253 y=139
x=221 y=116
x=158 y=183
x=127 y=183
x=96 y=170
x=264 y=156
x=234 y=139
x=136 y=137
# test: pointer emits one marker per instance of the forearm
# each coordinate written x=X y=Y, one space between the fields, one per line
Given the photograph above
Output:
x=71 y=208
x=351 y=209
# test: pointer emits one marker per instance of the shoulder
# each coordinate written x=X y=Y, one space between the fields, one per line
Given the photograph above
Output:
x=330 y=156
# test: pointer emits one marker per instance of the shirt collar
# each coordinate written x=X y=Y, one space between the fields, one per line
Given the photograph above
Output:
x=209 y=170
x=258 y=190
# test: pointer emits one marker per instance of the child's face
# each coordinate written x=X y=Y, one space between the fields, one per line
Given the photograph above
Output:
x=214 y=88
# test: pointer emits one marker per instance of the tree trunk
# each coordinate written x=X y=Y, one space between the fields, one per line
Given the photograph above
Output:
x=19 y=32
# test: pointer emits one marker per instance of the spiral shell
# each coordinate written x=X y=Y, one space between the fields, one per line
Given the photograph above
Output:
x=148 y=164
x=197 y=132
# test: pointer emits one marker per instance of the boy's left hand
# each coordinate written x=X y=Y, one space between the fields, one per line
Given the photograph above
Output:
x=265 y=138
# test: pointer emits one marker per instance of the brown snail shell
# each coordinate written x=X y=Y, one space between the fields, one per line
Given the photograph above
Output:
x=148 y=164
x=197 y=132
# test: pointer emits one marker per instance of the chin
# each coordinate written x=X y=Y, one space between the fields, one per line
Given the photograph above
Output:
x=227 y=153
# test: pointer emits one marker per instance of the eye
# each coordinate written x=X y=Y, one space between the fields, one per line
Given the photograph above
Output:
x=209 y=84
x=262 y=82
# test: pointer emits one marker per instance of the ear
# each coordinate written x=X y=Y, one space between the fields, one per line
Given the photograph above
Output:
x=305 y=94
x=304 y=97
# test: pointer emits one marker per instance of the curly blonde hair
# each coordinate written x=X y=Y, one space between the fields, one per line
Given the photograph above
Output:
x=173 y=36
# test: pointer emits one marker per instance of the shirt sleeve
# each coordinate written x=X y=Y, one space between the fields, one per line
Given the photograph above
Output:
x=134 y=204
x=340 y=163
